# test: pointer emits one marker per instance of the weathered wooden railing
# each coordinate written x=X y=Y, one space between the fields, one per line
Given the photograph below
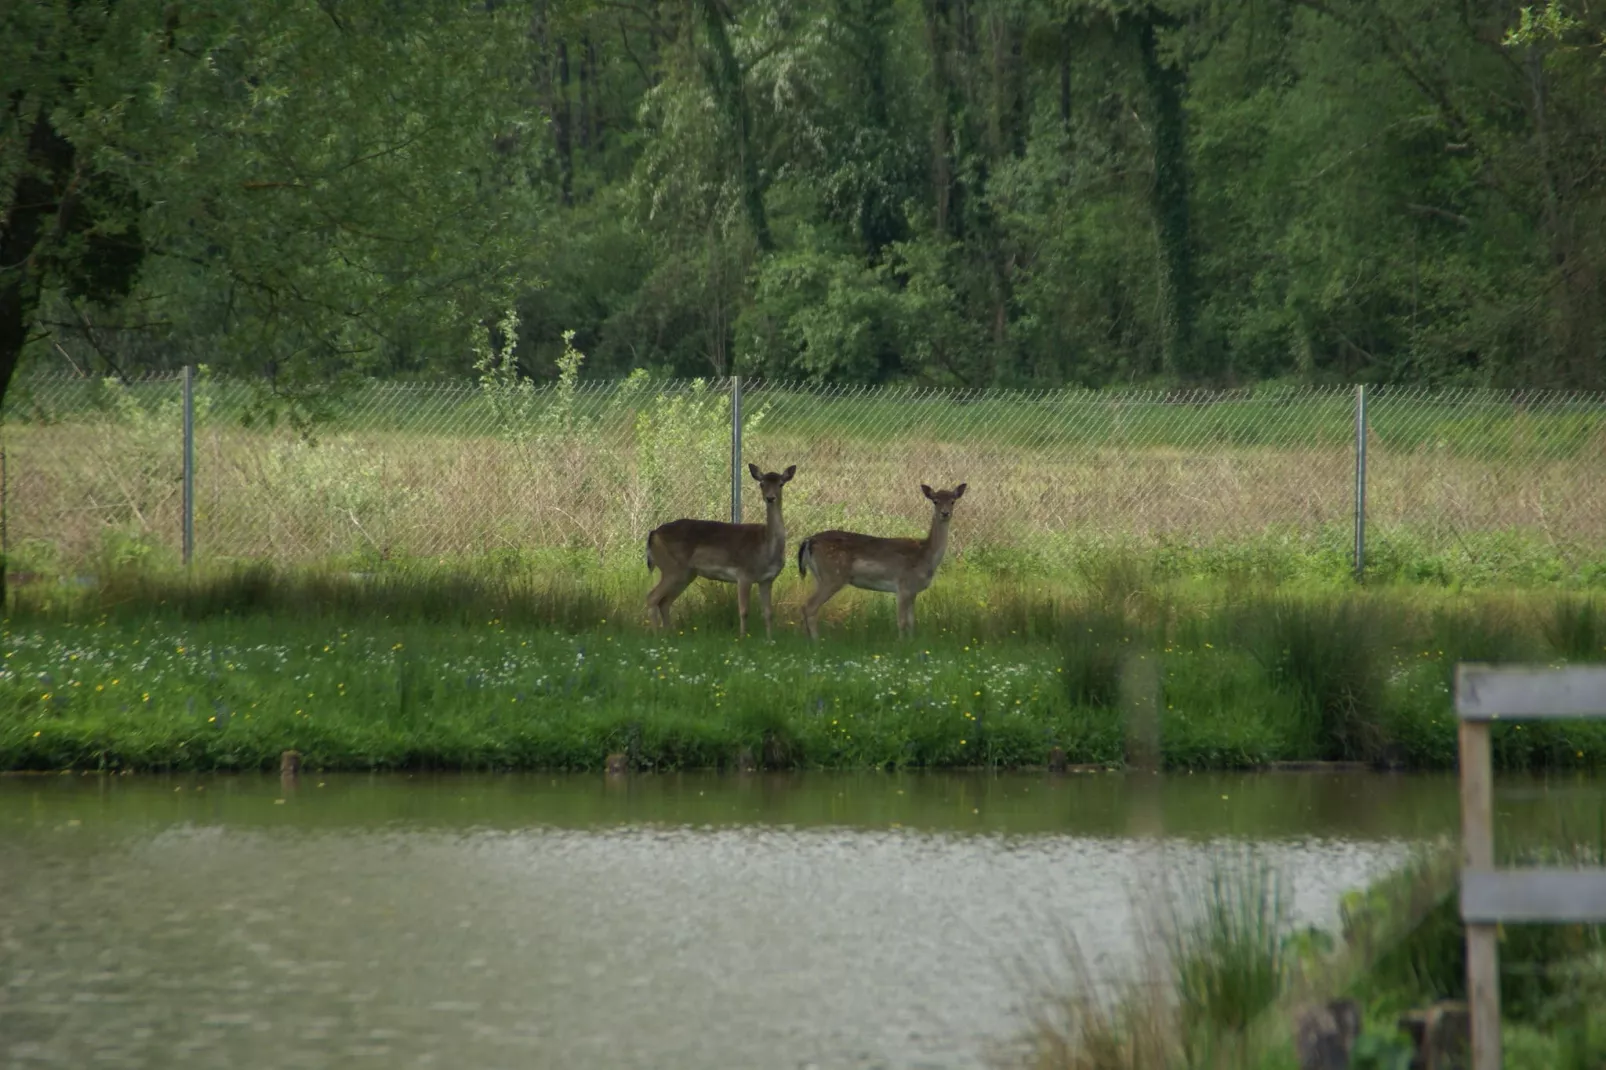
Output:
x=1490 y=896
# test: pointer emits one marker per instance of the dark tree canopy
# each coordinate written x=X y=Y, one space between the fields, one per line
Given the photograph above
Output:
x=964 y=192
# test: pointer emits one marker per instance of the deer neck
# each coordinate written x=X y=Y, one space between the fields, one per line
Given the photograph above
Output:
x=936 y=541
x=774 y=529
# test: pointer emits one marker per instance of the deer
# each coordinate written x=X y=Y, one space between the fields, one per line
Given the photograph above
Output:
x=743 y=554
x=903 y=567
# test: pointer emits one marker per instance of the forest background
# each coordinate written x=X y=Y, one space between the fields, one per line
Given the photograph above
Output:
x=946 y=192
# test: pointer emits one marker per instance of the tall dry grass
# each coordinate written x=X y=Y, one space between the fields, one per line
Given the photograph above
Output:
x=75 y=486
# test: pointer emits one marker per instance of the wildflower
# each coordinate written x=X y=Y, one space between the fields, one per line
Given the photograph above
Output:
x=100 y=687
x=45 y=697
x=146 y=697
x=36 y=735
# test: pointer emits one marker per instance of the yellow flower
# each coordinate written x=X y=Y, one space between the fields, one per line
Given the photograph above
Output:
x=147 y=697
x=100 y=687
x=36 y=735
x=45 y=697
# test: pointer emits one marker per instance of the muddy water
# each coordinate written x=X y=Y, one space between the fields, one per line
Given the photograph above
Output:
x=669 y=922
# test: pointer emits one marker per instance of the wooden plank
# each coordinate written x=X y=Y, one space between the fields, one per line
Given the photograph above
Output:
x=1534 y=895
x=1536 y=692
x=1477 y=853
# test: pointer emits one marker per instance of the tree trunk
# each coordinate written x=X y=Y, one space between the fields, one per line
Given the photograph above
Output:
x=1065 y=76
x=563 y=124
x=588 y=75
x=939 y=35
x=1170 y=199
x=34 y=199
x=725 y=75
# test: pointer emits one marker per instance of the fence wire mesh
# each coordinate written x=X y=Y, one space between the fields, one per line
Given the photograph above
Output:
x=402 y=470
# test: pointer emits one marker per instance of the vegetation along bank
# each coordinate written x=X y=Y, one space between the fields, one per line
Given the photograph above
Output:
x=523 y=671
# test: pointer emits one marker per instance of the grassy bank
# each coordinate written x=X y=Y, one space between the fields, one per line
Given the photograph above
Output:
x=524 y=669
x=1227 y=979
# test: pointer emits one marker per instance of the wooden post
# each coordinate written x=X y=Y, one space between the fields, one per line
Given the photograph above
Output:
x=1477 y=855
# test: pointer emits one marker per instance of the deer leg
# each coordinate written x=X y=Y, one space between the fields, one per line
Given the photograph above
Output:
x=811 y=609
x=906 y=613
x=667 y=590
x=764 y=604
x=744 y=590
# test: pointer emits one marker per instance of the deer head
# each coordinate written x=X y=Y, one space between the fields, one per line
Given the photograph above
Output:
x=770 y=483
x=943 y=500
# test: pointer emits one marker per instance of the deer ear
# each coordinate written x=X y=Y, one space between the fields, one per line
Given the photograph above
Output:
x=753 y=468
x=959 y=491
x=786 y=476
x=927 y=492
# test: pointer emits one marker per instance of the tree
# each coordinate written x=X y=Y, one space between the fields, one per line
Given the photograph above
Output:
x=316 y=190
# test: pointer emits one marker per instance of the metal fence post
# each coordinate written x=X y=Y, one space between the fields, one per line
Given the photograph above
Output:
x=1360 y=482
x=189 y=463
x=736 y=449
x=5 y=519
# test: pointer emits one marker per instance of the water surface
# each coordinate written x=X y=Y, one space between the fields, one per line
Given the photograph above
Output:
x=667 y=921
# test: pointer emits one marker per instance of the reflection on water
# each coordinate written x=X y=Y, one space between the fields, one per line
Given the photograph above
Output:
x=671 y=922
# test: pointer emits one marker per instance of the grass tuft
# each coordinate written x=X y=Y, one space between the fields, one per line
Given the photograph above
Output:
x=1229 y=960
x=1327 y=655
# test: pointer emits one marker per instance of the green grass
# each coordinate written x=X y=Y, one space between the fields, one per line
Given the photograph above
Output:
x=517 y=668
x=1463 y=423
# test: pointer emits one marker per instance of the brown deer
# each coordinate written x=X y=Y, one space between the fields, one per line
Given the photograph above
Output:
x=743 y=554
x=903 y=567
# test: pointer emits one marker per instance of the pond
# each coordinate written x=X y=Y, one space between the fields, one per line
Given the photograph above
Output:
x=874 y=920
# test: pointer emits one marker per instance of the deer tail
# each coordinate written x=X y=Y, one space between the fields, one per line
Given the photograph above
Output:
x=650 y=534
x=803 y=556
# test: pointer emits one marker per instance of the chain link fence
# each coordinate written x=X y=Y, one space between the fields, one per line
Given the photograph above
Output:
x=93 y=469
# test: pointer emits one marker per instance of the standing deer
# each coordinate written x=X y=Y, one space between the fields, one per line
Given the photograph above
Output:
x=743 y=554
x=904 y=567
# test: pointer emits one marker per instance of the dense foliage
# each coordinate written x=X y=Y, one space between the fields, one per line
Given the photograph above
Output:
x=977 y=192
